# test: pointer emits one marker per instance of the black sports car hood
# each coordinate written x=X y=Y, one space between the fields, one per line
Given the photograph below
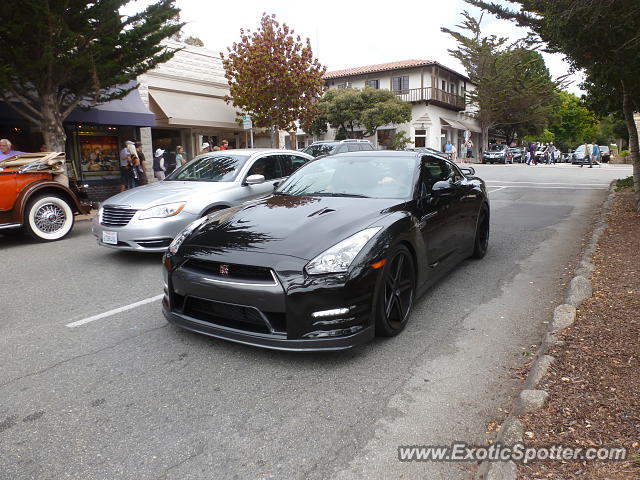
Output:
x=288 y=225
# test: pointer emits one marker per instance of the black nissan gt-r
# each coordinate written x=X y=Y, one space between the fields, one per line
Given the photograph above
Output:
x=335 y=256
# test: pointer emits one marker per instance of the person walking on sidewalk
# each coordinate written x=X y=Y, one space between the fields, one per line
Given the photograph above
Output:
x=158 y=164
x=587 y=155
x=595 y=154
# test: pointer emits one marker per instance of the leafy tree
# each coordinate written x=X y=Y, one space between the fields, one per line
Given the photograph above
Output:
x=273 y=76
x=348 y=109
x=513 y=91
x=575 y=123
x=58 y=54
x=602 y=37
x=400 y=141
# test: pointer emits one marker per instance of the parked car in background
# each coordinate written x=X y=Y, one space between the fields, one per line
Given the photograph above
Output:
x=37 y=197
x=578 y=157
x=517 y=154
x=336 y=255
x=148 y=218
x=332 y=147
x=605 y=153
x=497 y=153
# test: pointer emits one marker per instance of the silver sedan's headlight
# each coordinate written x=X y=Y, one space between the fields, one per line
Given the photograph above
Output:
x=175 y=245
x=162 y=211
x=338 y=258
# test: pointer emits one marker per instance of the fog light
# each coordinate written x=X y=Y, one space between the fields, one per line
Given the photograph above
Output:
x=330 y=313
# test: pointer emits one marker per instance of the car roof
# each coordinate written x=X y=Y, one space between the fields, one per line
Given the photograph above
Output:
x=253 y=151
x=382 y=153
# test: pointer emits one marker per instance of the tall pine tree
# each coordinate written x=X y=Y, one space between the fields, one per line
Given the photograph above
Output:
x=55 y=54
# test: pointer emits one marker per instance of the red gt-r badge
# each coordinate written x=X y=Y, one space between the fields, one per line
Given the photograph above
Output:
x=224 y=270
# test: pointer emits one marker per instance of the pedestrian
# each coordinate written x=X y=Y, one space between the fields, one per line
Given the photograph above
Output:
x=532 y=154
x=143 y=180
x=595 y=154
x=134 y=165
x=468 y=145
x=125 y=170
x=552 y=154
x=587 y=155
x=181 y=157
x=224 y=145
x=158 y=164
x=448 y=149
x=6 y=151
x=454 y=154
x=205 y=148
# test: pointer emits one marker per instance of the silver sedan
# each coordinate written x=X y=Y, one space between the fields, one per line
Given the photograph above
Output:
x=148 y=218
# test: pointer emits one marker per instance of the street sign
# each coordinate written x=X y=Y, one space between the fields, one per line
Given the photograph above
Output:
x=467 y=134
x=247 y=124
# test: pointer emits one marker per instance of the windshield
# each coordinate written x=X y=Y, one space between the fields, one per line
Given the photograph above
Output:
x=497 y=148
x=210 y=168
x=376 y=177
x=320 y=149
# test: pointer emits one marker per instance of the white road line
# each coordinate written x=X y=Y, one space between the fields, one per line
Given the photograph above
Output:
x=114 y=311
x=552 y=183
x=497 y=189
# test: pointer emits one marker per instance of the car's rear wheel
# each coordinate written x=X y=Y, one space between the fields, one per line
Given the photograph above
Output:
x=482 y=234
x=48 y=218
x=395 y=293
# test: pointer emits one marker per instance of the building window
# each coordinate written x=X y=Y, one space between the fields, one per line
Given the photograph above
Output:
x=444 y=85
x=400 y=84
x=373 y=83
x=344 y=85
x=420 y=138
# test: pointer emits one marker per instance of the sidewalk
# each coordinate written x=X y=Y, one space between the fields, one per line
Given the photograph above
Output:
x=594 y=382
x=88 y=216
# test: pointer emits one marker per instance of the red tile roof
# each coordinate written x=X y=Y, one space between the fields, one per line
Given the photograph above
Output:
x=382 y=67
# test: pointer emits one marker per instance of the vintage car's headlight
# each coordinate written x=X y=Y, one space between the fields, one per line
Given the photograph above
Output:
x=162 y=211
x=338 y=258
x=175 y=245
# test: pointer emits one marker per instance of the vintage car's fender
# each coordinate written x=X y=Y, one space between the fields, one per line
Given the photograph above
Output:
x=16 y=215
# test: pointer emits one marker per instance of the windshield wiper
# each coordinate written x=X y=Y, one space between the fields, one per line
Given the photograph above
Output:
x=283 y=193
x=335 y=194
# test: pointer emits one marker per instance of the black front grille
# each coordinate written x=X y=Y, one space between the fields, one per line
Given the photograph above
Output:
x=230 y=271
x=226 y=314
x=116 y=217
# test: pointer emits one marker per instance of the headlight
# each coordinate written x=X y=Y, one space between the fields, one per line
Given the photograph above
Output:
x=162 y=211
x=338 y=258
x=175 y=245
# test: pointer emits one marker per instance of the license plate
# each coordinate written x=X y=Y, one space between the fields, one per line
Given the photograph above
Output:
x=110 y=238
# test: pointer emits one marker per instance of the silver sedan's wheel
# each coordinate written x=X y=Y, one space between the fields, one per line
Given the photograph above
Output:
x=48 y=218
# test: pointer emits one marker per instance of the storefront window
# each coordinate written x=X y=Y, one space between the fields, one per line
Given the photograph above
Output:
x=99 y=155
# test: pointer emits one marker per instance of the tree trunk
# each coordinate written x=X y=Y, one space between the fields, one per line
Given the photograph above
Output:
x=52 y=128
x=484 y=140
x=627 y=108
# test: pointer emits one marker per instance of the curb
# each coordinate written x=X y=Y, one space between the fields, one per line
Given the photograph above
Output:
x=531 y=399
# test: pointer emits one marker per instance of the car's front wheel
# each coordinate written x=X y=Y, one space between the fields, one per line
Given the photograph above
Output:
x=48 y=218
x=395 y=293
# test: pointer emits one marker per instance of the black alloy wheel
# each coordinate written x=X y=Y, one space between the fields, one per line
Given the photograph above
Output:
x=482 y=234
x=395 y=293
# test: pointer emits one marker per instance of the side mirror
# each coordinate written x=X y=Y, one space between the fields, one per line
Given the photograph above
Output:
x=468 y=171
x=254 y=179
x=276 y=185
x=441 y=188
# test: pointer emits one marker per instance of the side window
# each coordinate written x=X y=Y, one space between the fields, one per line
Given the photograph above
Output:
x=434 y=170
x=365 y=146
x=268 y=166
x=353 y=147
x=455 y=175
x=341 y=148
x=290 y=163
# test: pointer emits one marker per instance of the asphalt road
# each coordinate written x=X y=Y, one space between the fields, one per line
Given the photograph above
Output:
x=127 y=396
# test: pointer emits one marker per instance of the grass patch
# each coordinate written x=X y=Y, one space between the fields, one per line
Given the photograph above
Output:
x=624 y=184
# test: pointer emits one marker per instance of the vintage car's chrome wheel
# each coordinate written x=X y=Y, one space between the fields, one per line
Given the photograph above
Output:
x=48 y=218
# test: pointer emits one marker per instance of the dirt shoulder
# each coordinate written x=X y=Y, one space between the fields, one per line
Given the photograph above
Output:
x=594 y=383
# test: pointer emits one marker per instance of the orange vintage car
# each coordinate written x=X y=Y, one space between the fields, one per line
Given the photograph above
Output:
x=35 y=195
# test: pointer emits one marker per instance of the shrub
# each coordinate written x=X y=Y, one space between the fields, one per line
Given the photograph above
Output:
x=624 y=184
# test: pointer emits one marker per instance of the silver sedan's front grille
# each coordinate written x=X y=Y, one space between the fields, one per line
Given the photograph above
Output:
x=116 y=217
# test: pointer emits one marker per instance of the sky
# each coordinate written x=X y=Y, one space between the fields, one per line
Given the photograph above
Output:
x=350 y=34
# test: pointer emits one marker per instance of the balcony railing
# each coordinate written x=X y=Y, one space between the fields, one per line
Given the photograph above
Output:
x=434 y=95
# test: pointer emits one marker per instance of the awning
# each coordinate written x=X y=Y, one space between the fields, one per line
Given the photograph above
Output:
x=471 y=126
x=452 y=123
x=130 y=111
x=187 y=109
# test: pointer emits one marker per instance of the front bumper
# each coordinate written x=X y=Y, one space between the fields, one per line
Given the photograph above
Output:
x=150 y=235
x=272 y=314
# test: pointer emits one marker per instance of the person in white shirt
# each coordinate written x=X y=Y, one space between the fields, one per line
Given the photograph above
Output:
x=159 y=168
